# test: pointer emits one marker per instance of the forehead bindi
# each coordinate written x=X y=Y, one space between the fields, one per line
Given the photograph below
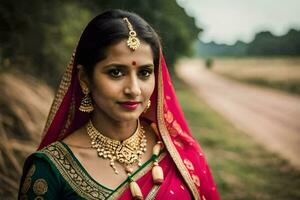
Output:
x=133 y=63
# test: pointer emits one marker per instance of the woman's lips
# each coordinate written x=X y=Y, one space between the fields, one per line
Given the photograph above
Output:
x=130 y=105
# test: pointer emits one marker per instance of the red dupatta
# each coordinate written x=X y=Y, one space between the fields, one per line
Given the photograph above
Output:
x=165 y=111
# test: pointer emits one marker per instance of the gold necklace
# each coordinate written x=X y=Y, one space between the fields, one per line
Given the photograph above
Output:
x=127 y=152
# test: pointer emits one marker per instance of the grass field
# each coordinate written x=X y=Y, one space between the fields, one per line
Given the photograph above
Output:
x=242 y=169
x=279 y=73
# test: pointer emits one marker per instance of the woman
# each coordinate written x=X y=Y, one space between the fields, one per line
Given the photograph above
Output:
x=115 y=129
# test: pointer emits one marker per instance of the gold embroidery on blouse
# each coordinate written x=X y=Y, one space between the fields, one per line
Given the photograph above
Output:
x=40 y=186
x=31 y=171
x=26 y=185
x=27 y=181
x=79 y=181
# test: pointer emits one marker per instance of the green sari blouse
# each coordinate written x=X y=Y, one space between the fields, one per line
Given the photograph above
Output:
x=55 y=173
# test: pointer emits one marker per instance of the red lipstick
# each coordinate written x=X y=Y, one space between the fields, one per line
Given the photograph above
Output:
x=130 y=105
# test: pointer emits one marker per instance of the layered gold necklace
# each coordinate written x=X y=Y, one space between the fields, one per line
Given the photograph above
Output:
x=127 y=152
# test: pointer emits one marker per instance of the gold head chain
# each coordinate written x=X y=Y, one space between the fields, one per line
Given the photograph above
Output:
x=133 y=41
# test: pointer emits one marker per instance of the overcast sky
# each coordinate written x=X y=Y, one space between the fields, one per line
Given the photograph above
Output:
x=226 y=21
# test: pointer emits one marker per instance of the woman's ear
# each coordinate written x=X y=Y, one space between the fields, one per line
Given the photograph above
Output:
x=82 y=77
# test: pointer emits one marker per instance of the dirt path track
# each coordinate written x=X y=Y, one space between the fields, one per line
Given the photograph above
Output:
x=271 y=117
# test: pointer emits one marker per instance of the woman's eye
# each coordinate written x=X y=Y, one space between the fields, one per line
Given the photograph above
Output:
x=145 y=73
x=116 y=73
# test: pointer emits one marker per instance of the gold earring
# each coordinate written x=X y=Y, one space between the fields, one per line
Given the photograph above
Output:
x=148 y=106
x=86 y=103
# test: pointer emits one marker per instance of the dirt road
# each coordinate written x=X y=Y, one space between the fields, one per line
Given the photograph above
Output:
x=271 y=117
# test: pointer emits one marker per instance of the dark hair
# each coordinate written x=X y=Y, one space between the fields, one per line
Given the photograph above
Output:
x=107 y=29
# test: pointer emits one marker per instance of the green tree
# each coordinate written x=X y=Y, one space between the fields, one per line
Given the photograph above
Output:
x=39 y=36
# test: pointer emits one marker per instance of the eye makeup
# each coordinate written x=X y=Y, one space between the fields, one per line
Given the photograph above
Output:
x=119 y=70
x=145 y=71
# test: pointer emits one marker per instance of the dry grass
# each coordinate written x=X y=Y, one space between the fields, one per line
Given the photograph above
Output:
x=280 y=73
x=274 y=69
x=24 y=105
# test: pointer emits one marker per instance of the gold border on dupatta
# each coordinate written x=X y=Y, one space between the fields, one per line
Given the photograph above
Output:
x=70 y=118
x=167 y=138
x=153 y=192
x=61 y=92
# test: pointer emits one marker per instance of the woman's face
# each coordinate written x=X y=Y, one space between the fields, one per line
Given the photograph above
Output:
x=123 y=82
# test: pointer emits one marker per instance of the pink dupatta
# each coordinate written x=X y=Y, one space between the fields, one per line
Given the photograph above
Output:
x=165 y=111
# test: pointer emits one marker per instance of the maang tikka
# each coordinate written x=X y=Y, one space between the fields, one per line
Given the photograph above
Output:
x=133 y=41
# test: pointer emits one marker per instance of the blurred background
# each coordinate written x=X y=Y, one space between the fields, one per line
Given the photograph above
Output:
x=235 y=67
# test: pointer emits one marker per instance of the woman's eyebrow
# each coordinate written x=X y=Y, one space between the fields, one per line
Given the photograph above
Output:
x=115 y=65
x=126 y=66
x=147 y=65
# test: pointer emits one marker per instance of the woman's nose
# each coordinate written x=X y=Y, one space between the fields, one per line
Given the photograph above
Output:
x=133 y=87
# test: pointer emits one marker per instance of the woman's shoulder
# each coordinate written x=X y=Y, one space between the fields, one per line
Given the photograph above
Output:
x=50 y=168
x=40 y=178
x=50 y=153
x=47 y=157
x=57 y=154
x=54 y=149
x=53 y=158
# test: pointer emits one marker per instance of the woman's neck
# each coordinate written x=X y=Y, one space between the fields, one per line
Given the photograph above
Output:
x=113 y=129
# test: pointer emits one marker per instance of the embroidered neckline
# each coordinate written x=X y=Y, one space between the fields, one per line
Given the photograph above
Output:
x=78 y=163
x=76 y=175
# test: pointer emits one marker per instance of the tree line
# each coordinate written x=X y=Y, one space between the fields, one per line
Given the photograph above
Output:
x=38 y=37
x=264 y=44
